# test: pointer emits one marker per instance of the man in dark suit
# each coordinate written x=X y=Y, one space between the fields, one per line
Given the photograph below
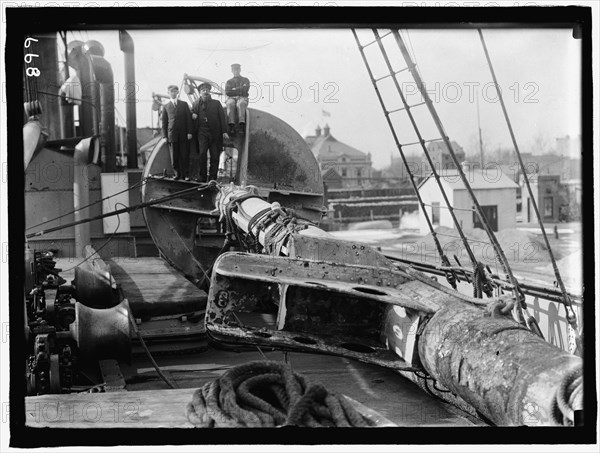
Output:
x=177 y=129
x=211 y=126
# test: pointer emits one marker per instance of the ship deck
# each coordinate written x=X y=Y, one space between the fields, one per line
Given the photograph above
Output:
x=137 y=397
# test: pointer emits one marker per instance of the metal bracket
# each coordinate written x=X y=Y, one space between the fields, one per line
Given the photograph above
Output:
x=368 y=313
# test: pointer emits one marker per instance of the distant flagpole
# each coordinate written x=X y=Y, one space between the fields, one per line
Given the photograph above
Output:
x=479 y=127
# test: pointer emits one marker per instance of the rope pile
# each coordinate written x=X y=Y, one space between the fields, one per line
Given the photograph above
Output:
x=568 y=398
x=269 y=394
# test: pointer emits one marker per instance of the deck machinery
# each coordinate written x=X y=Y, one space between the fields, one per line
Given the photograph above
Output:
x=251 y=240
x=273 y=278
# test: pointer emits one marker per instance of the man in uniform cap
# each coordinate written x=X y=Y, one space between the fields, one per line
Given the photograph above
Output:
x=211 y=126
x=236 y=89
x=177 y=129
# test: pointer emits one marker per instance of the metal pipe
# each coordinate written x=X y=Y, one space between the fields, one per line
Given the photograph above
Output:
x=81 y=200
x=67 y=122
x=88 y=116
x=127 y=47
x=103 y=74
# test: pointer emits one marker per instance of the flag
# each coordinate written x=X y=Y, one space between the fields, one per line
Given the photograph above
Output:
x=325 y=113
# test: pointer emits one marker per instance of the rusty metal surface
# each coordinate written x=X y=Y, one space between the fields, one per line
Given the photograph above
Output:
x=280 y=163
x=279 y=158
x=335 y=250
x=311 y=305
x=173 y=223
x=365 y=282
x=502 y=369
x=269 y=146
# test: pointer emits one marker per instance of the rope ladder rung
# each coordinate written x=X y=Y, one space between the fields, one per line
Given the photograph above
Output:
x=452 y=207
x=458 y=237
x=376 y=40
x=406 y=107
x=421 y=142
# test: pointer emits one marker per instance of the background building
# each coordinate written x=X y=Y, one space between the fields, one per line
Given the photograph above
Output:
x=497 y=196
x=335 y=157
x=550 y=196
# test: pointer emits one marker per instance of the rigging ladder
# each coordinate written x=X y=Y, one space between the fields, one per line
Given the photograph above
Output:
x=480 y=279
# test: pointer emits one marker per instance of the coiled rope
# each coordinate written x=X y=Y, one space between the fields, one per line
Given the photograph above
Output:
x=269 y=394
x=568 y=398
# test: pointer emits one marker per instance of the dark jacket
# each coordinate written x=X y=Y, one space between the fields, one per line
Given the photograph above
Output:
x=211 y=118
x=237 y=86
x=176 y=123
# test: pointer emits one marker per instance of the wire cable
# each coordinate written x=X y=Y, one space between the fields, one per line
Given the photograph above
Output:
x=570 y=313
x=101 y=247
x=140 y=182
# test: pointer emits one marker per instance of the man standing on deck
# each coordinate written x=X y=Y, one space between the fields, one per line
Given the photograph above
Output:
x=236 y=89
x=177 y=129
x=211 y=127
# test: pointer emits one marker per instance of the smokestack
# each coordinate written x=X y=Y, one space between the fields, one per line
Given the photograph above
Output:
x=127 y=47
x=104 y=75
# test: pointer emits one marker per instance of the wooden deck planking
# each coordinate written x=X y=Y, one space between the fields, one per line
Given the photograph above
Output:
x=153 y=288
x=390 y=396
x=378 y=388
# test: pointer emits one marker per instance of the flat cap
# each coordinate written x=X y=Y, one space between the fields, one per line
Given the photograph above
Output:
x=236 y=65
x=170 y=87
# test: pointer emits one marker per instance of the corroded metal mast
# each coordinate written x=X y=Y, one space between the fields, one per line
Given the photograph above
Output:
x=484 y=362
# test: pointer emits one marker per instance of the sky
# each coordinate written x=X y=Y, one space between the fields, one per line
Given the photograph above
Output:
x=313 y=77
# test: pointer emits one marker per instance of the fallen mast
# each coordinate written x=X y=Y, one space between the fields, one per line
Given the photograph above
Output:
x=345 y=298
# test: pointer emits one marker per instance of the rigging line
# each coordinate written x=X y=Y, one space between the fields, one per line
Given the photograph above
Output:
x=392 y=129
x=416 y=129
x=125 y=124
x=140 y=182
x=187 y=249
x=100 y=248
x=120 y=211
x=411 y=47
x=92 y=103
x=147 y=351
x=528 y=288
x=520 y=302
x=567 y=300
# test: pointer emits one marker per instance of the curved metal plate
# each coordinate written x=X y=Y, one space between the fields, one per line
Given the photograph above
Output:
x=279 y=158
x=271 y=156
